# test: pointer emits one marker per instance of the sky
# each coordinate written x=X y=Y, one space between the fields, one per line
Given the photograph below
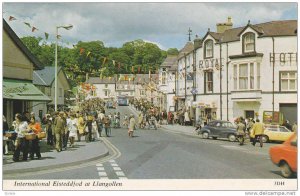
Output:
x=165 y=24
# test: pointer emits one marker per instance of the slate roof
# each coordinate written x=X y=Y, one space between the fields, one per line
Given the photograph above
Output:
x=97 y=80
x=170 y=62
x=268 y=29
x=189 y=47
x=37 y=64
x=45 y=77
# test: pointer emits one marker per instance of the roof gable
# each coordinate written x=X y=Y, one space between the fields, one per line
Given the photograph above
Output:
x=37 y=64
x=46 y=76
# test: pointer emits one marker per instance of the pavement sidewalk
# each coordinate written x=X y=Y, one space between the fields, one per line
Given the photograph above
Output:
x=189 y=130
x=82 y=152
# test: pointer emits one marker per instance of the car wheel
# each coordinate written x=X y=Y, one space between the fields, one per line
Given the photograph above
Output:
x=205 y=135
x=286 y=170
x=265 y=139
x=214 y=138
x=231 y=137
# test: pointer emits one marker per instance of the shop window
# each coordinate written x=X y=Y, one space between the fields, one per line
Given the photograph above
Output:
x=248 y=42
x=208 y=81
x=208 y=49
x=288 y=81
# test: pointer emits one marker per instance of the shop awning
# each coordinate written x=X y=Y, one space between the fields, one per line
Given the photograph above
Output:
x=22 y=90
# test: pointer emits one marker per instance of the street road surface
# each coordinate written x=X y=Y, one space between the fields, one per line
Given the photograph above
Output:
x=162 y=154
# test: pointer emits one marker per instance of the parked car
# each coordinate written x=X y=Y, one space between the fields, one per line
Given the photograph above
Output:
x=285 y=156
x=219 y=129
x=275 y=133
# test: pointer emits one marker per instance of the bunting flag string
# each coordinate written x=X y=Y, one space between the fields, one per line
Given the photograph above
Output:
x=27 y=24
x=11 y=18
x=46 y=35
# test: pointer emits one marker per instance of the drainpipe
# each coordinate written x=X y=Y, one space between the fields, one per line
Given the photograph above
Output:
x=221 y=80
x=227 y=63
x=273 y=86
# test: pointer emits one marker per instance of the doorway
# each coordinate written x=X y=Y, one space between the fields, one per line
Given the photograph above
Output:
x=249 y=114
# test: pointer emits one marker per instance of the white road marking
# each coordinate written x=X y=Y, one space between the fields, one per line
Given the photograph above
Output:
x=117 y=169
x=100 y=168
x=120 y=173
x=99 y=165
x=114 y=164
x=101 y=174
x=112 y=161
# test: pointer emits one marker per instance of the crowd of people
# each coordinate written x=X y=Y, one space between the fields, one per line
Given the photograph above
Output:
x=60 y=129
x=90 y=120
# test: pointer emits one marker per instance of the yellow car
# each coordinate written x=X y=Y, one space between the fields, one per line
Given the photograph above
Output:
x=275 y=133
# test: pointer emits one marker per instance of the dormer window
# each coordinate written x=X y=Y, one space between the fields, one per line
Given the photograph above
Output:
x=208 y=49
x=248 y=42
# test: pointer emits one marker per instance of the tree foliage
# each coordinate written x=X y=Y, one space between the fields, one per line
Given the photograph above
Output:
x=94 y=58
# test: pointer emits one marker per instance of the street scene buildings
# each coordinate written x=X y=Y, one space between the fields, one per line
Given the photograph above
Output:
x=220 y=104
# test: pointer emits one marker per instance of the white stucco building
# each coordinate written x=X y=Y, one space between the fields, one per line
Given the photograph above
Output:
x=166 y=86
x=252 y=57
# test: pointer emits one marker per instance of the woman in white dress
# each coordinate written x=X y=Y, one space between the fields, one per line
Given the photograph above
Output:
x=95 y=129
x=72 y=127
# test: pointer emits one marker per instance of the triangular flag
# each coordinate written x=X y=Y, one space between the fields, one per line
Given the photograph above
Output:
x=81 y=51
x=11 y=18
x=114 y=62
x=46 y=35
x=58 y=36
x=104 y=61
x=26 y=23
x=88 y=53
x=33 y=29
x=132 y=69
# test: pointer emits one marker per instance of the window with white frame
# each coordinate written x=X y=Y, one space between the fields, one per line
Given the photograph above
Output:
x=208 y=49
x=106 y=93
x=249 y=42
x=246 y=76
x=288 y=81
x=142 y=92
x=208 y=81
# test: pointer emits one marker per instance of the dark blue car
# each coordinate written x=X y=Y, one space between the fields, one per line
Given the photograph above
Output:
x=219 y=129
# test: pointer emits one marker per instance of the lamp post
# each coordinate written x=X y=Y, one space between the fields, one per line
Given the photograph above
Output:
x=67 y=27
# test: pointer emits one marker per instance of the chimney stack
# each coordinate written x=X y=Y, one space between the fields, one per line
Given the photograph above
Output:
x=222 y=27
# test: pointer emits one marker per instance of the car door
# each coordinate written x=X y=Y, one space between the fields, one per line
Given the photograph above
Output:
x=284 y=134
x=272 y=133
x=227 y=128
x=217 y=129
x=212 y=128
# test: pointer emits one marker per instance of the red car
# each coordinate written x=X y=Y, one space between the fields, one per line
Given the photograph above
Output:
x=285 y=156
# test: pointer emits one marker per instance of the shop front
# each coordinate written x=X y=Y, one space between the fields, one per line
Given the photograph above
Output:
x=206 y=111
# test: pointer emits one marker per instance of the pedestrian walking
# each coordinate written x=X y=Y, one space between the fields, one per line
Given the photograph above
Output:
x=198 y=125
x=35 y=127
x=241 y=131
x=80 y=126
x=95 y=135
x=186 y=118
x=21 y=144
x=258 y=131
x=72 y=125
x=131 y=126
x=106 y=122
x=88 y=128
x=48 y=129
x=59 y=128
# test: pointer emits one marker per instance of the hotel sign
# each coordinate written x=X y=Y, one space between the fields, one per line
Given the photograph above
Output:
x=284 y=58
x=210 y=63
